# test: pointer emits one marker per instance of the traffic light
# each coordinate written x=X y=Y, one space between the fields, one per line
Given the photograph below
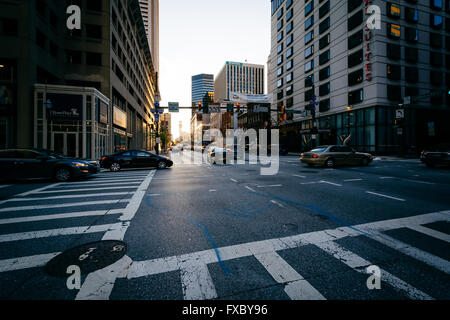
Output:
x=238 y=107
x=283 y=113
x=199 y=106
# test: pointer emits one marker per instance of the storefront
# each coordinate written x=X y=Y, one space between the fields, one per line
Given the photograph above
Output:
x=73 y=121
x=8 y=103
x=120 y=124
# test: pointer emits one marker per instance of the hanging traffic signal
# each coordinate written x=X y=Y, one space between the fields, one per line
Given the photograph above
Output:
x=238 y=107
x=199 y=106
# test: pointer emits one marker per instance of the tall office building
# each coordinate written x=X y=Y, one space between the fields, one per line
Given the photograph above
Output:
x=150 y=15
x=83 y=93
x=239 y=77
x=201 y=84
x=361 y=76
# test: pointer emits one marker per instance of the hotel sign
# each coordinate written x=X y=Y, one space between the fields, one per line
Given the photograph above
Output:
x=367 y=38
x=64 y=106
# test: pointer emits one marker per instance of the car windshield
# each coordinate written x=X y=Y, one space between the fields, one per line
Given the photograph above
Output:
x=53 y=154
x=318 y=150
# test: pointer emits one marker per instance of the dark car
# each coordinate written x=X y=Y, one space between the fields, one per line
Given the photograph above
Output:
x=331 y=156
x=134 y=159
x=437 y=155
x=43 y=164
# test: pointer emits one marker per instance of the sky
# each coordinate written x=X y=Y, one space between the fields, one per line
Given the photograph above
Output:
x=199 y=36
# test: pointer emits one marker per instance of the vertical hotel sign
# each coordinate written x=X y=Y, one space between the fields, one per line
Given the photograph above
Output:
x=373 y=21
x=367 y=40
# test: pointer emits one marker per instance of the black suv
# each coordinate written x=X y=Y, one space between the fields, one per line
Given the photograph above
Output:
x=38 y=163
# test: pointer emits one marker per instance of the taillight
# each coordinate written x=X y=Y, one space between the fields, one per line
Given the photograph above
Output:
x=104 y=158
x=301 y=156
x=315 y=156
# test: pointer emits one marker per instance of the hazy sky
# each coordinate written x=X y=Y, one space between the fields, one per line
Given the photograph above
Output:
x=198 y=36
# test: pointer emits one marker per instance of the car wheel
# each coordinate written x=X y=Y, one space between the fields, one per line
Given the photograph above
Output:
x=330 y=163
x=63 y=174
x=364 y=162
x=115 y=167
x=162 y=165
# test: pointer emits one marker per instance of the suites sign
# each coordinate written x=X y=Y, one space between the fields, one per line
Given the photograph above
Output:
x=373 y=16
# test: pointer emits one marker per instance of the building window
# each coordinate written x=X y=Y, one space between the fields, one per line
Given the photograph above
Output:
x=309 y=51
x=393 y=31
x=355 y=39
x=309 y=8
x=289 y=77
x=289 y=90
x=309 y=81
x=436 y=4
x=289 y=4
x=324 y=89
x=411 y=34
x=309 y=22
x=290 y=102
x=279 y=25
x=309 y=66
x=289 y=52
x=394 y=93
x=324 y=105
x=324 y=41
x=411 y=15
x=309 y=95
x=411 y=74
x=436 y=59
x=324 y=73
x=280 y=13
x=324 y=57
x=411 y=54
x=355 y=20
x=324 y=25
x=436 y=21
x=435 y=40
x=353 y=4
x=93 y=58
x=393 y=51
x=73 y=57
x=280 y=36
x=280 y=48
x=324 y=9
x=289 y=40
x=309 y=37
x=393 y=10
x=94 y=31
x=290 y=27
x=393 y=72
x=355 y=58
x=279 y=83
x=356 y=97
x=289 y=14
x=280 y=95
x=355 y=77
x=289 y=65
x=436 y=77
x=280 y=71
x=279 y=60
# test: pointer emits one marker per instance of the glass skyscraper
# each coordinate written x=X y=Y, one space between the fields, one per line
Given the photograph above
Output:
x=201 y=84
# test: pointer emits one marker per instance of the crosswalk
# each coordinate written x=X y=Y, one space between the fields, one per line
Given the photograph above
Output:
x=101 y=207
x=197 y=282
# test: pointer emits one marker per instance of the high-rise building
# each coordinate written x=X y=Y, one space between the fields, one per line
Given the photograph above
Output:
x=201 y=84
x=83 y=93
x=382 y=87
x=150 y=15
x=239 y=77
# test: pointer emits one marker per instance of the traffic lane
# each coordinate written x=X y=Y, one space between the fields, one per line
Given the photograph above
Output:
x=348 y=201
x=189 y=215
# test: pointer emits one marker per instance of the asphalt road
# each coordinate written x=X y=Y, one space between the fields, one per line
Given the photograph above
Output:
x=226 y=232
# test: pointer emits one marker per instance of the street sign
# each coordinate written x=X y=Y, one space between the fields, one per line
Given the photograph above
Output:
x=400 y=114
x=174 y=107
x=260 y=109
x=214 y=108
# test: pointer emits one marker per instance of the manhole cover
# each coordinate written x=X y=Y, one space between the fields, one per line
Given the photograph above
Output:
x=88 y=257
x=290 y=227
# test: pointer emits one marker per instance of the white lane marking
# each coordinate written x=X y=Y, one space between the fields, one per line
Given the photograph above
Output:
x=353 y=180
x=297 y=287
x=359 y=264
x=234 y=180
x=271 y=186
x=157 y=266
x=432 y=233
x=63 y=205
x=385 y=196
x=86 y=189
x=421 y=182
x=154 y=195
x=299 y=176
x=331 y=183
x=26 y=262
x=37 y=190
x=107 y=277
x=99 y=284
x=387 y=178
x=90 y=195
x=213 y=190
x=52 y=233
x=251 y=189
x=59 y=216
x=278 y=204
x=307 y=183
x=425 y=257
x=197 y=283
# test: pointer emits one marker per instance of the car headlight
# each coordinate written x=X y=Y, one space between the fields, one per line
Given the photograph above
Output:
x=80 y=164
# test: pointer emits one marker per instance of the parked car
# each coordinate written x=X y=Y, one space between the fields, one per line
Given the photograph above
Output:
x=43 y=164
x=331 y=156
x=214 y=156
x=134 y=159
x=436 y=155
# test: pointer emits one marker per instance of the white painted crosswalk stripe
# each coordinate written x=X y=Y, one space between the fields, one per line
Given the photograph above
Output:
x=74 y=196
x=63 y=205
x=26 y=262
x=87 y=189
x=432 y=233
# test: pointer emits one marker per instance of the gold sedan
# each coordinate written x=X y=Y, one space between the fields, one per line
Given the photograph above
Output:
x=332 y=156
